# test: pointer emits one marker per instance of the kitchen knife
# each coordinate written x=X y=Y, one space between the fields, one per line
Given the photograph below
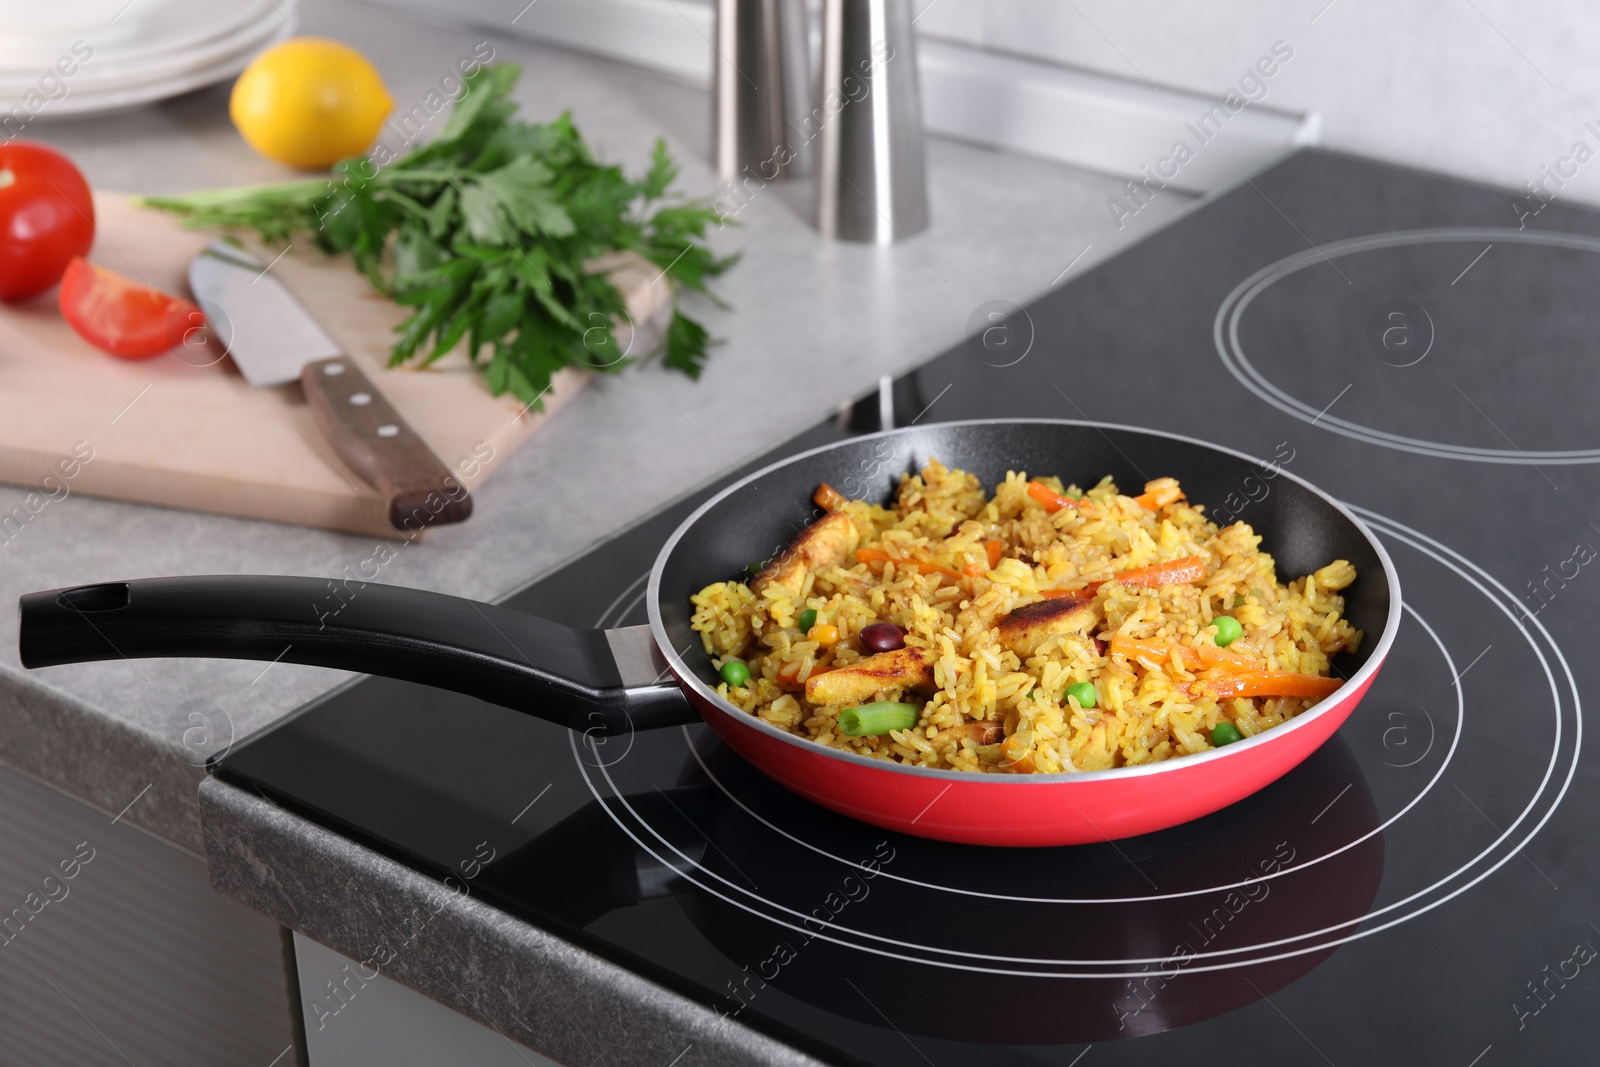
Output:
x=273 y=340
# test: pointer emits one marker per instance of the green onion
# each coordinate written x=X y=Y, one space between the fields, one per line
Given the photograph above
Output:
x=808 y=619
x=879 y=718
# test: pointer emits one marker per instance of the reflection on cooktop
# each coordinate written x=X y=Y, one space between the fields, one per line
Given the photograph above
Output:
x=1136 y=928
x=1401 y=897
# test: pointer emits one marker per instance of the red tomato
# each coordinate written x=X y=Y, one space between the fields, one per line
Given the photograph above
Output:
x=46 y=218
x=125 y=318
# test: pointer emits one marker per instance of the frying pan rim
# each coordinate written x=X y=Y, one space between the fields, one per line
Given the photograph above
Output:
x=686 y=677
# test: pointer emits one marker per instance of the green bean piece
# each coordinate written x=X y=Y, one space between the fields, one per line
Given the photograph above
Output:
x=879 y=718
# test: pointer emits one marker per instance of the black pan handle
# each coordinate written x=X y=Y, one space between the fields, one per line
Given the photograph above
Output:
x=566 y=676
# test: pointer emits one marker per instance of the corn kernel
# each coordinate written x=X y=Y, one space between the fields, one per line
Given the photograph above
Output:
x=823 y=634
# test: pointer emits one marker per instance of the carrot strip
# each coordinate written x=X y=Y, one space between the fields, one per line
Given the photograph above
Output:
x=1192 y=657
x=878 y=555
x=789 y=673
x=1156 y=499
x=996 y=550
x=828 y=498
x=1172 y=572
x=1052 y=500
x=1266 y=684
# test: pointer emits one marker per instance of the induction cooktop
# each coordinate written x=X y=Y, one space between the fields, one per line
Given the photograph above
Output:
x=1422 y=890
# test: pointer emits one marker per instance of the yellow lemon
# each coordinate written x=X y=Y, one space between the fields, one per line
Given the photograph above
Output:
x=309 y=102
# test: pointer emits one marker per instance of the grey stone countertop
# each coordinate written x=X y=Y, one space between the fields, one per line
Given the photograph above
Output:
x=809 y=324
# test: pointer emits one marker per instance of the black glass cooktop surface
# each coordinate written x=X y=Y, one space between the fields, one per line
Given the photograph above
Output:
x=1422 y=890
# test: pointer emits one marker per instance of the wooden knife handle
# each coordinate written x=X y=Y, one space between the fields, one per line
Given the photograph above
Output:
x=370 y=435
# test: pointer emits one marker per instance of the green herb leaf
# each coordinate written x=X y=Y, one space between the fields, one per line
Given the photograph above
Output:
x=662 y=171
x=484 y=92
x=489 y=234
x=528 y=201
x=688 y=345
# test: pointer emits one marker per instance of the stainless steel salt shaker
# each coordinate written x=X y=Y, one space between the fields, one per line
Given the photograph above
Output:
x=761 y=89
x=871 y=181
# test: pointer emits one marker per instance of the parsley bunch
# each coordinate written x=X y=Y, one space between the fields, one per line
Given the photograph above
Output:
x=490 y=233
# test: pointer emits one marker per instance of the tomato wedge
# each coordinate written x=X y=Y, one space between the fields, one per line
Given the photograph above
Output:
x=129 y=320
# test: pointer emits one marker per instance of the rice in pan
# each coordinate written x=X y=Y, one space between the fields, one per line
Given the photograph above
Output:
x=1042 y=629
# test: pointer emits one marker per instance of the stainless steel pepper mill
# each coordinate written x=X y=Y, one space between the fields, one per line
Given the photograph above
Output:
x=871 y=181
x=761 y=88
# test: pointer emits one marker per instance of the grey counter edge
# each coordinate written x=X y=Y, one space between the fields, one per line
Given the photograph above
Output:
x=530 y=985
x=109 y=762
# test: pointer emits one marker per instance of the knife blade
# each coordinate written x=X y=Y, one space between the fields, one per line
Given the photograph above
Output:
x=273 y=340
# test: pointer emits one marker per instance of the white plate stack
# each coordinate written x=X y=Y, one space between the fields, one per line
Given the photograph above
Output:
x=90 y=56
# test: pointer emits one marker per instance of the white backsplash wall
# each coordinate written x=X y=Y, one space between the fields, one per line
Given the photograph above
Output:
x=1497 y=90
x=1503 y=91
x=1112 y=123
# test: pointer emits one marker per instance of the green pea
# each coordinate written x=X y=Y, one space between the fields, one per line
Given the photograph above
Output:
x=808 y=619
x=879 y=718
x=1082 y=692
x=751 y=570
x=735 y=673
x=1031 y=692
x=1225 y=733
x=1227 y=630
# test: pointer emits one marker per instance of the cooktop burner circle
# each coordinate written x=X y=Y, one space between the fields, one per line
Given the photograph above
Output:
x=1403 y=340
x=1552 y=787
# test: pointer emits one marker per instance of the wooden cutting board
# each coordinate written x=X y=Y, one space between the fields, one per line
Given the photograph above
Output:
x=186 y=430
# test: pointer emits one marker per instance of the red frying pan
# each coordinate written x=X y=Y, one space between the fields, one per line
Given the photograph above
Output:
x=608 y=682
